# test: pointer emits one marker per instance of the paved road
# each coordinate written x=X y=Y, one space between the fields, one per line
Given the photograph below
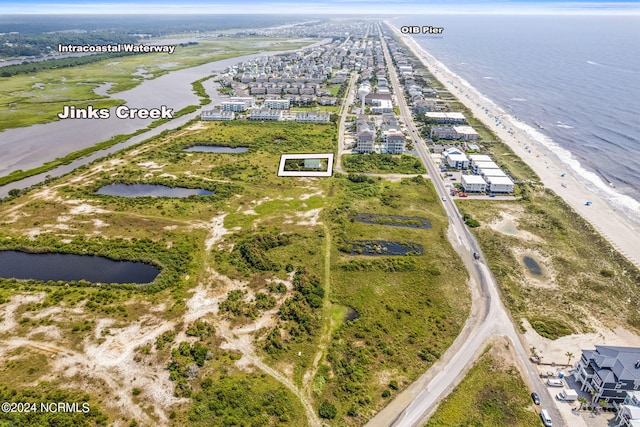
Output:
x=488 y=315
x=344 y=111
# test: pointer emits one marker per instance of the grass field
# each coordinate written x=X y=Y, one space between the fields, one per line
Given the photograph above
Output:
x=492 y=394
x=382 y=163
x=261 y=261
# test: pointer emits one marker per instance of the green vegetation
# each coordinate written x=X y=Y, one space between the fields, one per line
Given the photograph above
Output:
x=54 y=64
x=16 y=44
x=382 y=163
x=84 y=412
x=37 y=98
x=244 y=400
x=573 y=256
x=293 y=284
x=492 y=394
x=20 y=174
x=406 y=304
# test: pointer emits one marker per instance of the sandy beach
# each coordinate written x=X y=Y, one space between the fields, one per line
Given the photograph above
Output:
x=614 y=225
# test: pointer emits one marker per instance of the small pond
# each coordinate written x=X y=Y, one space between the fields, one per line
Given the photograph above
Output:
x=70 y=267
x=150 y=190
x=351 y=315
x=532 y=265
x=393 y=220
x=382 y=248
x=216 y=149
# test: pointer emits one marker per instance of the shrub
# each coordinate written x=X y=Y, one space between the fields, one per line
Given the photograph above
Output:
x=327 y=411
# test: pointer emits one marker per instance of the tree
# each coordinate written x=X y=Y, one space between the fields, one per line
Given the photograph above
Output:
x=569 y=356
x=583 y=401
x=327 y=410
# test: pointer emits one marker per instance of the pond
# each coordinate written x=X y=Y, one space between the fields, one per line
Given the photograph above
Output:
x=216 y=149
x=533 y=266
x=70 y=267
x=382 y=248
x=150 y=190
x=393 y=220
x=351 y=315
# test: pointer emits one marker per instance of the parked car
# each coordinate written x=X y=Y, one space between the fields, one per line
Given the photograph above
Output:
x=535 y=398
x=555 y=382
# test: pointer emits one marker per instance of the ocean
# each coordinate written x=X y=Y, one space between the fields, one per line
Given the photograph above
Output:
x=572 y=82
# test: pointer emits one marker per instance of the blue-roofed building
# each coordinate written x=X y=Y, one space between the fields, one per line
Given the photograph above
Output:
x=608 y=372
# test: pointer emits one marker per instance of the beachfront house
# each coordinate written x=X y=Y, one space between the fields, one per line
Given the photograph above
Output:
x=491 y=173
x=499 y=184
x=455 y=159
x=608 y=372
x=442 y=132
x=477 y=165
x=465 y=133
x=629 y=410
x=445 y=118
x=473 y=184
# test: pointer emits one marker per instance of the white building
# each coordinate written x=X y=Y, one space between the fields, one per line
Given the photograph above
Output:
x=476 y=165
x=237 y=106
x=249 y=100
x=276 y=104
x=491 y=173
x=217 y=114
x=312 y=117
x=440 y=117
x=466 y=133
x=479 y=158
x=498 y=184
x=395 y=142
x=455 y=159
x=265 y=114
x=629 y=410
x=380 y=106
x=473 y=184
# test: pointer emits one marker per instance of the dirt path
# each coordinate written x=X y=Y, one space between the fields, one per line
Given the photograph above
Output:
x=327 y=324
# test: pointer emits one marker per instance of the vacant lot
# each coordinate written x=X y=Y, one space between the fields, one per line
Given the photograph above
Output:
x=255 y=294
x=492 y=394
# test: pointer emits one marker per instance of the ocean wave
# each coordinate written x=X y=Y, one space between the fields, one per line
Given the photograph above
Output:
x=592 y=180
x=594 y=63
x=519 y=99
x=563 y=125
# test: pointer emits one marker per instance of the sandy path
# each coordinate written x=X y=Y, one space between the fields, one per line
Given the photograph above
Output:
x=614 y=225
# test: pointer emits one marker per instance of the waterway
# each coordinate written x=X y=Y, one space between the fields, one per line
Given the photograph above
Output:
x=30 y=147
x=70 y=267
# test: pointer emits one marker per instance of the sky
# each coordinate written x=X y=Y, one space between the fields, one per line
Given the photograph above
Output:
x=294 y=7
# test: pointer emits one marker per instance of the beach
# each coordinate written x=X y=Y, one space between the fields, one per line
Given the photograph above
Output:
x=621 y=231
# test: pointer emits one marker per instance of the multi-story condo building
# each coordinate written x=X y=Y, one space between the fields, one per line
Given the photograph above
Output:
x=608 y=372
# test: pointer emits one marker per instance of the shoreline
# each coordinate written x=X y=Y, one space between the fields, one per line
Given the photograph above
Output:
x=619 y=230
